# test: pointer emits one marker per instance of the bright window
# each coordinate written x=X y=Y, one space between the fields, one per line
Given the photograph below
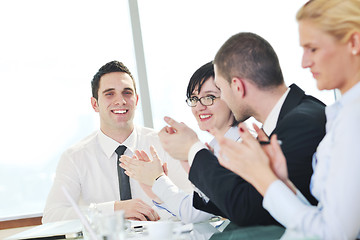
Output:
x=50 y=51
x=181 y=36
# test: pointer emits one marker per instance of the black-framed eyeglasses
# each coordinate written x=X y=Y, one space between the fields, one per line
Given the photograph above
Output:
x=205 y=101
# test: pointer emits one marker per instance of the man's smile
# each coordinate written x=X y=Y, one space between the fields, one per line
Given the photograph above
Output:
x=121 y=111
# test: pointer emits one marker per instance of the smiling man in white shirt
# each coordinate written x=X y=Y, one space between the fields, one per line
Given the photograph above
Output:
x=88 y=170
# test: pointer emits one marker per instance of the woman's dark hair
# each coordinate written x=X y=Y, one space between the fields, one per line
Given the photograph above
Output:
x=198 y=79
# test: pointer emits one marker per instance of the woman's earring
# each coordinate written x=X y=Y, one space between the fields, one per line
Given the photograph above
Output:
x=354 y=52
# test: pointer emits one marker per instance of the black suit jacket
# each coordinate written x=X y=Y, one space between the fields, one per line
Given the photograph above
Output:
x=301 y=127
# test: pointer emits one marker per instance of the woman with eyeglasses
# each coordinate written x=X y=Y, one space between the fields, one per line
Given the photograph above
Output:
x=210 y=112
x=330 y=37
x=208 y=109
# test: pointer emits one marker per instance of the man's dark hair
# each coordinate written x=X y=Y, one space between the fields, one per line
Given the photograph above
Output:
x=113 y=66
x=247 y=55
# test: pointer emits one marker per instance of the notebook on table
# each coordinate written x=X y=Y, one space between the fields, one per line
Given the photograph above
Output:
x=69 y=229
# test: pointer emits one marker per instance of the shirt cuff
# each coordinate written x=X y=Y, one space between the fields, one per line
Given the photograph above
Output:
x=282 y=203
x=195 y=148
x=163 y=206
x=106 y=208
x=302 y=198
x=169 y=193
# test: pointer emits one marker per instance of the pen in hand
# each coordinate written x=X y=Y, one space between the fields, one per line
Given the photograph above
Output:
x=268 y=142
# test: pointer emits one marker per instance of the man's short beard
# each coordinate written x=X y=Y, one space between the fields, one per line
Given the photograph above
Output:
x=244 y=115
x=243 y=118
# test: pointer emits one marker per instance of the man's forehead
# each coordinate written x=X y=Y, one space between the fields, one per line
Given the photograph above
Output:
x=116 y=75
x=117 y=80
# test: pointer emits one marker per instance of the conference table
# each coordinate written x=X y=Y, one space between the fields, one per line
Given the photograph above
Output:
x=214 y=230
x=232 y=231
x=224 y=229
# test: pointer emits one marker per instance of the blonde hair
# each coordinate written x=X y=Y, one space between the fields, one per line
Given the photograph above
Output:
x=339 y=18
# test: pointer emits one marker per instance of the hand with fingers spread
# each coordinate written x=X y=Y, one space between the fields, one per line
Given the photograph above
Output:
x=142 y=156
x=247 y=159
x=136 y=209
x=177 y=139
x=141 y=168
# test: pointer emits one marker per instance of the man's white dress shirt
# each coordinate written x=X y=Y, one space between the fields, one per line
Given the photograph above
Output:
x=180 y=203
x=335 y=182
x=88 y=170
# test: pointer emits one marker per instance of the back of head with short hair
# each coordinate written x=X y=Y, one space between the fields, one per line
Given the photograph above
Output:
x=339 y=18
x=199 y=77
x=249 y=56
x=113 y=66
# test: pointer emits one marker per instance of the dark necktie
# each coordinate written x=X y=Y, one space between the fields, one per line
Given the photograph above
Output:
x=124 y=184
